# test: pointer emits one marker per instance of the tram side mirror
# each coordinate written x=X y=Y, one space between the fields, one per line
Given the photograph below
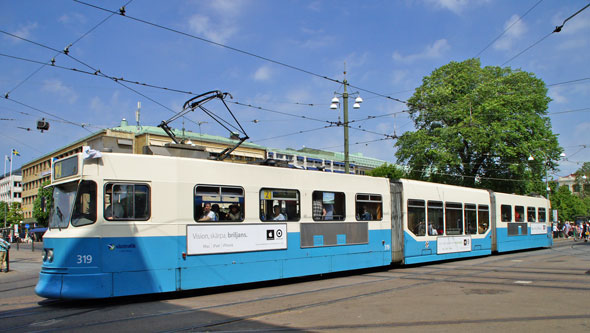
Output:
x=43 y=204
x=42 y=125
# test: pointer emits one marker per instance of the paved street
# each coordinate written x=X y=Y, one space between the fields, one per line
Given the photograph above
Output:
x=531 y=291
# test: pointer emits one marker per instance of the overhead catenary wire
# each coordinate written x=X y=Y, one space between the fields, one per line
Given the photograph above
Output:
x=58 y=53
x=508 y=28
x=248 y=53
x=556 y=30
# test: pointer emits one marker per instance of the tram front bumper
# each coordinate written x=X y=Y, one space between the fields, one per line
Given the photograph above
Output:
x=74 y=286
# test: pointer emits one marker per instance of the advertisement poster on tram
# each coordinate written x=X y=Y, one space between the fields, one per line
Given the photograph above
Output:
x=230 y=238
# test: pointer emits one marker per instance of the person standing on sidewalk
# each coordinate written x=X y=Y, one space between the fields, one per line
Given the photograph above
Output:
x=4 y=246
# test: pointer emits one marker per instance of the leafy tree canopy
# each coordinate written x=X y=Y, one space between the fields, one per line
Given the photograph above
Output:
x=42 y=204
x=389 y=171
x=478 y=127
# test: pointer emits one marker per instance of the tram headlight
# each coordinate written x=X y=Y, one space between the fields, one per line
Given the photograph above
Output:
x=47 y=255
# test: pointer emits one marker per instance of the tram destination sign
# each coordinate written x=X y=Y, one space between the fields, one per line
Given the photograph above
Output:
x=230 y=238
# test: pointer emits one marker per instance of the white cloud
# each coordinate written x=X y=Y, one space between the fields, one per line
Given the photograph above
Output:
x=73 y=18
x=556 y=96
x=517 y=30
x=55 y=86
x=433 y=51
x=263 y=74
x=221 y=24
x=455 y=6
x=24 y=31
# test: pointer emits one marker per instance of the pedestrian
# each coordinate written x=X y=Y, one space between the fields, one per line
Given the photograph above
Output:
x=4 y=246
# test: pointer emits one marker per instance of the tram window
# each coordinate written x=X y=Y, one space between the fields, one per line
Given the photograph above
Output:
x=519 y=214
x=416 y=217
x=369 y=207
x=85 y=206
x=435 y=218
x=287 y=203
x=328 y=206
x=483 y=217
x=542 y=215
x=531 y=214
x=454 y=218
x=127 y=202
x=226 y=202
x=506 y=211
x=470 y=219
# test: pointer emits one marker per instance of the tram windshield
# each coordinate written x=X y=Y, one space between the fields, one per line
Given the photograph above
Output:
x=63 y=200
x=75 y=202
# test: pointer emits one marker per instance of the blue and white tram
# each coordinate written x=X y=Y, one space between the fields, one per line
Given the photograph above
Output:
x=441 y=222
x=127 y=224
x=520 y=222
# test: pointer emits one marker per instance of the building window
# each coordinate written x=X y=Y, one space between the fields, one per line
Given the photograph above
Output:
x=279 y=205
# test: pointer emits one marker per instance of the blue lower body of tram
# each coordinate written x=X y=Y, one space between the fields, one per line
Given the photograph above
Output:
x=522 y=240
x=110 y=267
x=416 y=252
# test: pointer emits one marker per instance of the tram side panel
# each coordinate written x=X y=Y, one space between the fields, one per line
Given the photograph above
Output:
x=442 y=222
x=521 y=222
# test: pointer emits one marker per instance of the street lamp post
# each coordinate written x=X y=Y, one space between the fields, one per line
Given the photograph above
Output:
x=545 y=162
x=356 y=105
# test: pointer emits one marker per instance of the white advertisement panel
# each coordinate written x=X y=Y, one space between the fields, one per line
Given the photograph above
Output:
x=228 y=238
x=538 y=228
x=452 y=244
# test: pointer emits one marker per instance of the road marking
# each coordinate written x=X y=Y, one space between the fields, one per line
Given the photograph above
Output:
x=523 y=282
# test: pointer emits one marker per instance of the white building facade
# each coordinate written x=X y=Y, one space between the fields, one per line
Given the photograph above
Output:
x=11 y=187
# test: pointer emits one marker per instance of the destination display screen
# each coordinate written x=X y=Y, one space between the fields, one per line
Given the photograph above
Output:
x=65 y=168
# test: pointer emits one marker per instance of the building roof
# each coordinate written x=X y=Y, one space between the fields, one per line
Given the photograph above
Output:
x=124 y=127
x=357 y=158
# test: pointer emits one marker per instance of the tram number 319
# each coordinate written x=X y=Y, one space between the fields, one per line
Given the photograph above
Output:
x=84 y=259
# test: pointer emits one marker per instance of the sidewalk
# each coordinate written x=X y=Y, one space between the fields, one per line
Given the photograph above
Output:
x=25 y=260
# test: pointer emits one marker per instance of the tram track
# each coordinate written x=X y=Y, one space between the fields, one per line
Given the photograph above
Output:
x=377 y=277
x=413 y=275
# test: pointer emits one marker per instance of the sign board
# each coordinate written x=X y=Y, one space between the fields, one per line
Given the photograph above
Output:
x=452 y=244
x=555 y=215
x=538 y=228
x=230 y=238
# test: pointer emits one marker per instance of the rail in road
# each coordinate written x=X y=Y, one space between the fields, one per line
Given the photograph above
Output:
x=542 y=290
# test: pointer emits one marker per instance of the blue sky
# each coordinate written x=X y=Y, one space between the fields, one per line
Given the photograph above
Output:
x=387 y=46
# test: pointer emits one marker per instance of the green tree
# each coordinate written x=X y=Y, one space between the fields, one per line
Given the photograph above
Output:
x=15 y=214
x=478 y=127
x=390 y=171
x=3 y=212
x=583 y=179
x=568 y=205
x=42 y=204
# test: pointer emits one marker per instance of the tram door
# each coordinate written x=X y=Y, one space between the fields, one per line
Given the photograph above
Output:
x=397 y=229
